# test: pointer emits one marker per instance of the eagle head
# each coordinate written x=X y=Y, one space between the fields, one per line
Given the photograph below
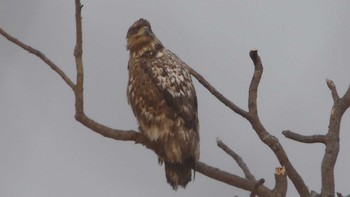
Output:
x=141 y=39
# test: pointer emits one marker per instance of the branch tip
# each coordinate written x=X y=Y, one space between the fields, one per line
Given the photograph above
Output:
x=254 y=56
x=256 y=186
x=333 y=89
x=304 y=138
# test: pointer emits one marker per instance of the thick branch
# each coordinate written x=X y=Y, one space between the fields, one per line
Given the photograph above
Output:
x=280 y=185
x=232 y=179
x=340 y=105
x=304 y=139
x=38 y=53
x=237 y=158
x=281 y=182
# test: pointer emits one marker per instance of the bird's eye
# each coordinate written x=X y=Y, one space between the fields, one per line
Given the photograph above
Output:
x=134 y=30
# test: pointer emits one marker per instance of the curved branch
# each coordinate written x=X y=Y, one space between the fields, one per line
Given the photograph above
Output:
x=270 y=140
x=38 y=53
x=254 y=84
x=304 y=139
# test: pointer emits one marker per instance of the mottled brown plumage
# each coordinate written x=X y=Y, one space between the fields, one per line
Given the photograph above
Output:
x=163 y=99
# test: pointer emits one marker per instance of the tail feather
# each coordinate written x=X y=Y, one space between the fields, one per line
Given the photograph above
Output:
x=178 y=174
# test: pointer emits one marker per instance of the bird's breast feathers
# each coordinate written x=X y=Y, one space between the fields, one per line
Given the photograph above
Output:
x=160 y=88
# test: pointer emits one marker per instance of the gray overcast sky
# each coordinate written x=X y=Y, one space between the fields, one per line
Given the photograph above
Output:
x=45 y=152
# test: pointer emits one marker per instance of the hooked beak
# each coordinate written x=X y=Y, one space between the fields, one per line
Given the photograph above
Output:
x=146 y=31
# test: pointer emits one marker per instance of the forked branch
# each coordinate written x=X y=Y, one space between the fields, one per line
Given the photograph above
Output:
x=270 y=140
x=340 y=105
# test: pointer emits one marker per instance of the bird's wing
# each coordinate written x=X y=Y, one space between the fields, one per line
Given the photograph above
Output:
x=172 y=78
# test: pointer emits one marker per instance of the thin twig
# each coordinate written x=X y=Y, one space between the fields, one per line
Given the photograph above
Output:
x=237 y=158
x=38 y=53
x=303 y=138
x=217 y=94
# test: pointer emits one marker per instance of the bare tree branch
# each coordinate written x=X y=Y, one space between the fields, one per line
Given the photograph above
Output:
x=280 y=182
x=340 y=105
x=304 y=139
x=38 y=53
x=78 y=54
x=217 y=94
x=254 y=84
x=237 y=158
x=270 y=140
x=333 y=89
x=256 y=186
x=253 y=118
x=232 y=179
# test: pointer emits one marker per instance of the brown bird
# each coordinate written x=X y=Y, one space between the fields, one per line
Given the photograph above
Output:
x=163 y=99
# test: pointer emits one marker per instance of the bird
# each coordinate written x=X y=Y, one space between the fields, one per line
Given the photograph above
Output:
x=163 y=99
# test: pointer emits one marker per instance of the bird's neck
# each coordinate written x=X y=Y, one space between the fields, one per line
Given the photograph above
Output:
x=147 y=49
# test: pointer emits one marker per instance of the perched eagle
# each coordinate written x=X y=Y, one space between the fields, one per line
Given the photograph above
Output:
x=163 y=99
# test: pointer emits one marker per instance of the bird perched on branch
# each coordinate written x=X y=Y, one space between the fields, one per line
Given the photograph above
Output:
x=163 y=99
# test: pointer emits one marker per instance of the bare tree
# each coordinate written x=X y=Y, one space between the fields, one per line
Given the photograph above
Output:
x=248 y=182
